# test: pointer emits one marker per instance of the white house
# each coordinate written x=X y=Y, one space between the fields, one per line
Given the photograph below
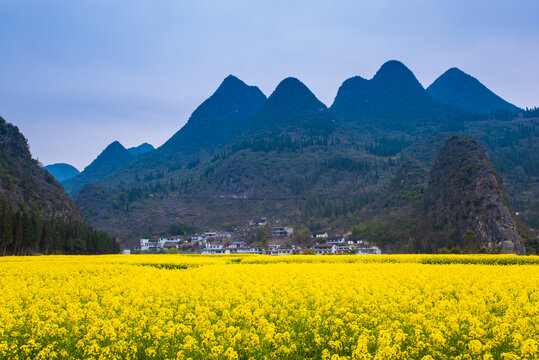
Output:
x=280 y=251
x=213 y=246
x=323 y=249
x=369 y=250
x=282 y=231
x=335 y=240
x=320 y=235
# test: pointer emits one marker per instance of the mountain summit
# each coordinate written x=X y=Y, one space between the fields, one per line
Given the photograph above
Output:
x=141 y=149
x=218 y=120
x=62 y=171
x=113 y=157
x=455 y=87
x=392 y=100
x=292 y=108
x=395 y=74
x=215 y=123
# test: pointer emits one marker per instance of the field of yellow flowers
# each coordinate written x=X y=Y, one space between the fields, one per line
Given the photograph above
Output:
x=257 y=307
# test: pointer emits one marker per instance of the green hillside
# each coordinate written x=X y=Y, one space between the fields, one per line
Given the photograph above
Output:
x=36 y=214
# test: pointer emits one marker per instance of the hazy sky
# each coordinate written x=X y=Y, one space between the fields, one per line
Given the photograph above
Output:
x=77 y=75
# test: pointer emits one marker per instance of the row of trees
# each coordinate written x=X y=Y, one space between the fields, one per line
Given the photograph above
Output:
x=24 y=232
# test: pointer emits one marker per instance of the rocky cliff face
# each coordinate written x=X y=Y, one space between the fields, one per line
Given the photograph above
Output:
x=465 y=201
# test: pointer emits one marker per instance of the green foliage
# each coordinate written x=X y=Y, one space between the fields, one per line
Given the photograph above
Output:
x=387 y=146
x=181 y=228
x=395 y=229
x=229 y=227
x=531 y=112
x=26 y=232
x=302 y=236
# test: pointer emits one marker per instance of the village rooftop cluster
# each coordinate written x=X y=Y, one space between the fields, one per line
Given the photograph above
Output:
x=225 y=243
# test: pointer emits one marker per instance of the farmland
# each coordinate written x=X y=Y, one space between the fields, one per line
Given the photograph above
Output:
x=256 y=307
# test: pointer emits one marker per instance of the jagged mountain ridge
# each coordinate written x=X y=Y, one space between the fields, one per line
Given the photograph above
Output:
x=279 y=163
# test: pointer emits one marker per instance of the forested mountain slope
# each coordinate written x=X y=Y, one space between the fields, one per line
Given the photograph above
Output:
x=36 y=214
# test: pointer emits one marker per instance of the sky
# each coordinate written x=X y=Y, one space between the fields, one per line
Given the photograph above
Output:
x=77 y=75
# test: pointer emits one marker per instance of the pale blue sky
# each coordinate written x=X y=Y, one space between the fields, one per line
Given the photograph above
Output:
x=77 y=75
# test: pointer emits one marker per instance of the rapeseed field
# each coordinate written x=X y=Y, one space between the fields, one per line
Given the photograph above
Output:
x=261 y=307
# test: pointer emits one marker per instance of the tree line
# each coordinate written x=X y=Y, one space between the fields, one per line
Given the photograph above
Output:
x=25 y=232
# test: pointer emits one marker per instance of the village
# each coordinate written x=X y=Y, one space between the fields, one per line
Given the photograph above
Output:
x=279 y=242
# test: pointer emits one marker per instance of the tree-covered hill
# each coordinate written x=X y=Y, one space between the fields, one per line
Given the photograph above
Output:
x=462 y=207
x=24 y=182
x=36 y=214
x=215 y=123
x=112 y=158
x=456 y=88
x=393 y=100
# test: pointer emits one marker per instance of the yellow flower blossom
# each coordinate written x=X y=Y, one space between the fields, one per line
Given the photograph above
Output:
x=261 y=307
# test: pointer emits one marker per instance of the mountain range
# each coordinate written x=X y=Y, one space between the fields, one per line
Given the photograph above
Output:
x=112 y=158
x=290 y=158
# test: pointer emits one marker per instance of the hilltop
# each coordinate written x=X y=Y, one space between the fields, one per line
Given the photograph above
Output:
x=456 y=88
x=392 y=101
x=62 y=171
x=113 y=157
x=141 y=149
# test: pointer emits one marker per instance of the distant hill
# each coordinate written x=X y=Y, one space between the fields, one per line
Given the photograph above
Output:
x=141 y=149
x=456 y=88
x=61 y=171
x=393 y=100
x=112 y=158
x=291 y=109
x=36 y=214
x=215 y=123
x=218 y=120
